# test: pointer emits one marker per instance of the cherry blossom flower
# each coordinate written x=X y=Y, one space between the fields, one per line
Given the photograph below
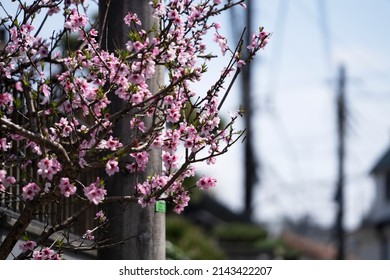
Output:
x=206 y=183
x=181 y=201
x=170 y=161
x=95 y=192
x=222 y=42
x=101 y=216
x=27 y=246
x=46 y=254
x=47 y=168
x=67 y=189
x=130 y=17
x=30 y=191
x=141 y=159
x=88 y=235
x=75 y=21
x=112 y=167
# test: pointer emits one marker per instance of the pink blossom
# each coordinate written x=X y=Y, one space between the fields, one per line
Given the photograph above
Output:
x=46 y=254
x=211 y=160
x=136 y=79
x=130 y=17
x=145 y=188
x=137 y=123
x=66 y=128
x=88 y=235
x=173 y=114
x=10 y=180
x=112 y=167
x=101 y=216
x=3 y=173
x=222 y=42
x=5 y=182
x=240 y=63
x=30 y=191
x=46 y=94
x=181 y=201
x=47 y=168
x=217 y=25
x=259 y=41
x=75 y=21
x=67 y=189
x=27 y=246
x=34 y=147
x=111 y=144
x=53 y=10
x=136 y=98
x=18 y=86
x=173 y=14
x=95 y=192
x=206 y=183
x=6 y=99
x=170 y=161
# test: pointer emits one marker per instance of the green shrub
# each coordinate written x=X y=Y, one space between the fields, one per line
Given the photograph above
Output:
x=190 y=241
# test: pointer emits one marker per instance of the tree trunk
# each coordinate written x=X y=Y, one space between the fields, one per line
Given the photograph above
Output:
x=139 y=231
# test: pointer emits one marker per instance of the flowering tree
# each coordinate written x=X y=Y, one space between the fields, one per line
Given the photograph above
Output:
x=57 y=123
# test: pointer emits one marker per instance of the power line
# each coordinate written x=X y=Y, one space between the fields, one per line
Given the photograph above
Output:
x=324 y=26
x=275 y=67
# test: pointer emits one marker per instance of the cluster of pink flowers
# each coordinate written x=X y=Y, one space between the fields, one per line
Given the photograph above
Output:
x=30 y=191
x=75 y=21
x=88 y=235
x=112 y=167
x=259 y=41
x=141 y=161
x=67 y=189
x=47 y=168
x=95 y=192
x=100 y=216
x=27 y=246
x=46 y=254
x=206 y=183
x=64 y=124
x=6 y=101
x=5 y=181
x=90 y=68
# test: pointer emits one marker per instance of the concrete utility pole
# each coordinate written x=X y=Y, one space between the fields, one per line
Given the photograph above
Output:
x=142 y=230
x=251 y=164
x=341 y=117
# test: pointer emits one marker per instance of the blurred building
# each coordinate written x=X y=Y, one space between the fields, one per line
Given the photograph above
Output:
x=372 y=239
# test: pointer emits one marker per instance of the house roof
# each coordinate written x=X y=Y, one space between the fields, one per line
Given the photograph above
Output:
x=383 y=164
x=310 y=248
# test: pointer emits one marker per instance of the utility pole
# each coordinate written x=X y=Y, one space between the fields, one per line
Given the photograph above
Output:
x=250 y=162
x=139 y=232
x=341 y=120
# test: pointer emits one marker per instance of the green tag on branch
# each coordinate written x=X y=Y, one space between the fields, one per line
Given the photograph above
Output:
x=161 y=206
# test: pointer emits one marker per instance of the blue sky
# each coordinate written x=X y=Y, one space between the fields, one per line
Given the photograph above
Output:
x=294 y=97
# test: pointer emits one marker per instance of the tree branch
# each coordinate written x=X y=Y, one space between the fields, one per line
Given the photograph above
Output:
x=37 y=138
